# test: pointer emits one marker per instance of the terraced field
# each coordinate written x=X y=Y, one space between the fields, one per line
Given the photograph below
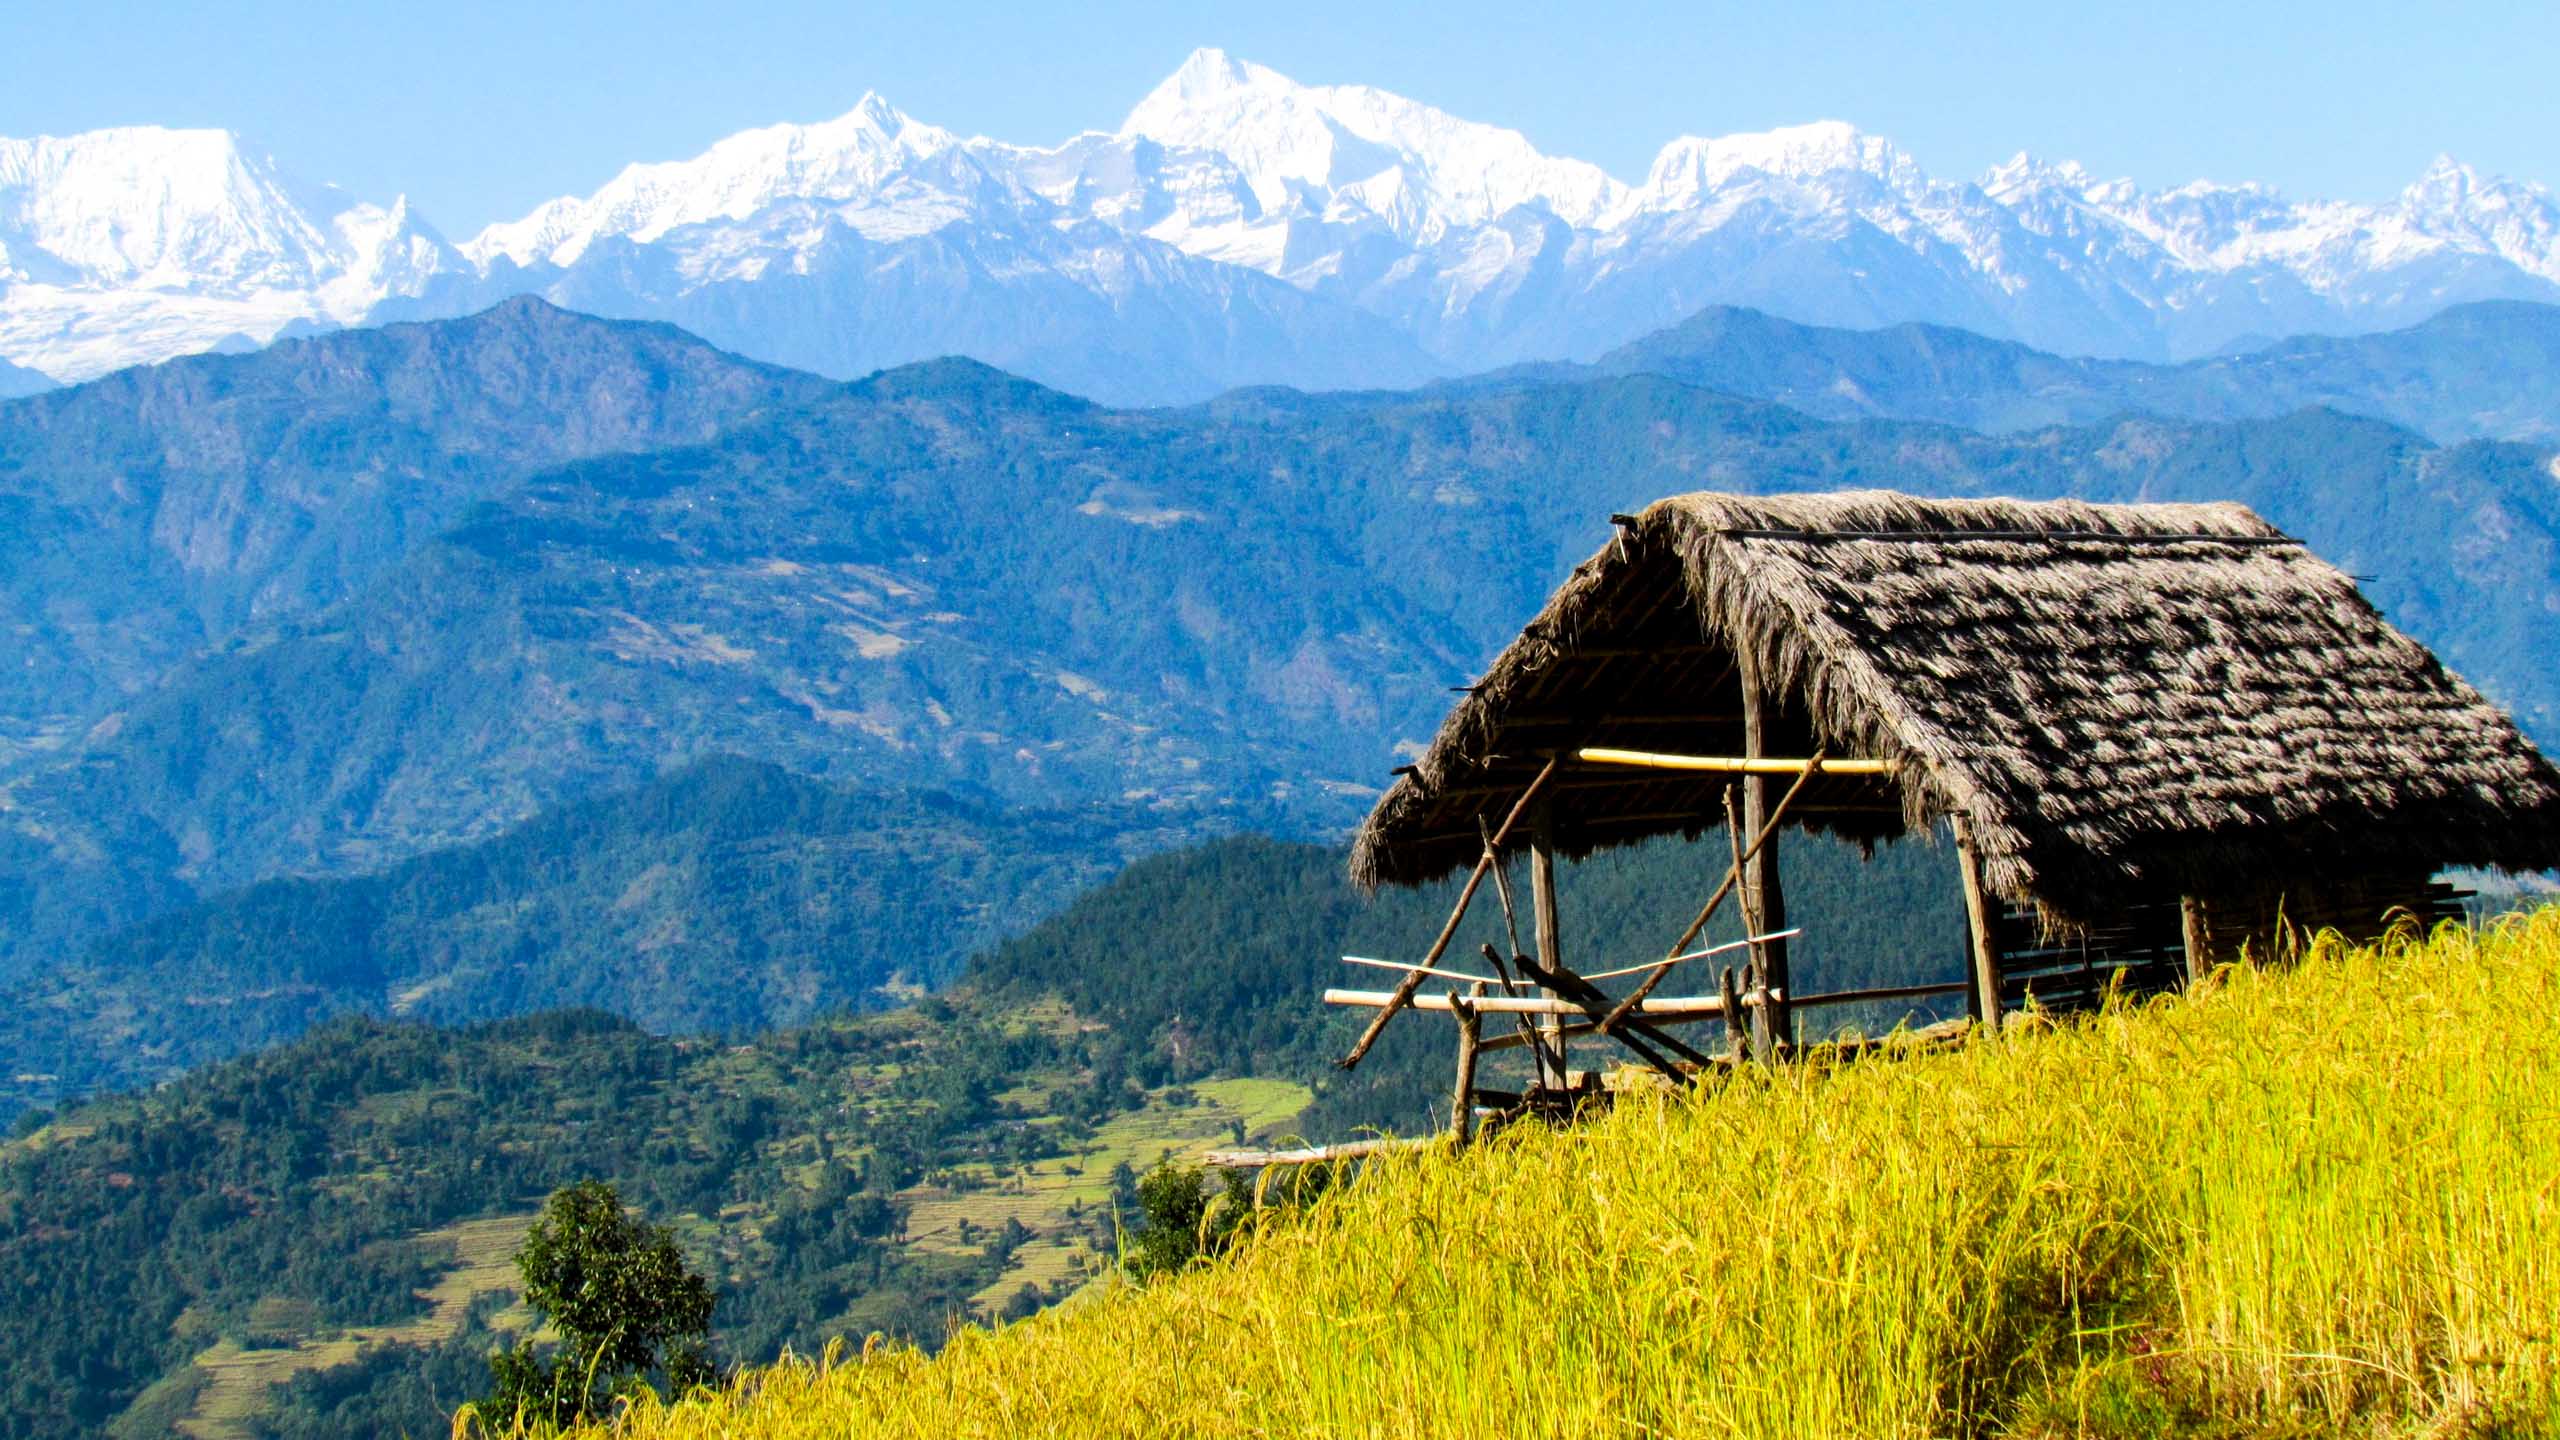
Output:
x=1058 y=1199
x=236 y=1379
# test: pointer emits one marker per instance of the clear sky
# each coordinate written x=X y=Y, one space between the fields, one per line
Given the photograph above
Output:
x=480 y=111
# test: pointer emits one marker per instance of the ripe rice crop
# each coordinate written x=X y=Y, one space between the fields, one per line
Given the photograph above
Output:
x=2311 y=1200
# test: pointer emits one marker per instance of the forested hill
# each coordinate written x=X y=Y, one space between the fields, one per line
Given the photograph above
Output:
x=727 y=896
x=158 y=510
x=948 y=578
x=355 y=1192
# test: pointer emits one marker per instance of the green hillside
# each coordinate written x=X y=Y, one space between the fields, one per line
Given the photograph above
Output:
x=2241 y=1214
x=313 y=1236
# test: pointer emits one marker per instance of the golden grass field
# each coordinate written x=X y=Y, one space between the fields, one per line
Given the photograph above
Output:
x=2324 y=1200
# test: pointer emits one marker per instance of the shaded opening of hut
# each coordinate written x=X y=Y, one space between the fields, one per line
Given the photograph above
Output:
x=2155 y=733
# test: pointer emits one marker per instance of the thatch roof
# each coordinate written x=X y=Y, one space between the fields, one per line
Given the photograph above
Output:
x=2123 y=699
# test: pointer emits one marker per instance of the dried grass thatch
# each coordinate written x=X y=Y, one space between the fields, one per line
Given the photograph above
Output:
x=2124 y=700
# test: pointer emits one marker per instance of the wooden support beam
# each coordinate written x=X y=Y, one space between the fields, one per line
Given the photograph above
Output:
x=1763 y=1037
x=1542 y=902
x=1737 y=1040
x=1457 y=913
x=2196 y=923
x=1980 y=910
x=1768 y=901
x=1752 y=763
x=1462 y=1103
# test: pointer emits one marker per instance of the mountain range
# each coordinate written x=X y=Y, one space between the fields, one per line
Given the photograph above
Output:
x=1237 y=228
x=365 y=595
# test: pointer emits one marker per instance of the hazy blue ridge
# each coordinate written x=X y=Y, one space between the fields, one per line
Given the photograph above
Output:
x=950 y=578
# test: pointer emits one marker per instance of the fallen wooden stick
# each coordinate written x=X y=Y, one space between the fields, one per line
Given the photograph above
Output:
x=1311 y=1155
x=1881 y=992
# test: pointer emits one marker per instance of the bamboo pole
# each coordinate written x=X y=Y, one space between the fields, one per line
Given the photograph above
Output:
x=1731 y=765
x=1707 y=911
x=1458 y=912
x=1437 y=974
x=1744 y=943
x=1707 y=1005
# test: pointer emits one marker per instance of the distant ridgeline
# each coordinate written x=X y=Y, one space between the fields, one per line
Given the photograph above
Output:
x=822 y=1173
x=325 y=608
x=727 y=896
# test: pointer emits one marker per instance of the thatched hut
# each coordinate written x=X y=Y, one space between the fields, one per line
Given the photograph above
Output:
x=2147 y=726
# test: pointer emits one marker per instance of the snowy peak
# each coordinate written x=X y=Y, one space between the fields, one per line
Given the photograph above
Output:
x=1695 y=165
x=136 y=244
x=151 y=208
x=1207 y=76
x=1349 y=151
x=847 y=160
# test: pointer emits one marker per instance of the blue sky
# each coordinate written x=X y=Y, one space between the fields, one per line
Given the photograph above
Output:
x=480 y=111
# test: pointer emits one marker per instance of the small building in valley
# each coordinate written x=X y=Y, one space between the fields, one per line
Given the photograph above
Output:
x=2151 y=731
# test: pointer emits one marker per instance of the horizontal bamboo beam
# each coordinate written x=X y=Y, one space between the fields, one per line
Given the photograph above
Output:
x=1522 y=1004
x=1730 y=764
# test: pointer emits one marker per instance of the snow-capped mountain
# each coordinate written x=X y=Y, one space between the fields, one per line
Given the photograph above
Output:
x=1239 y=227
x=135 y=244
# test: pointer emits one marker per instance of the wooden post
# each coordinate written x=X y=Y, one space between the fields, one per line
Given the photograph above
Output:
x=1462 y=1104
x=1984 y=946
x=2197 y=924
x=1736 y=1043
x=1542 y=902
x=1767 y=900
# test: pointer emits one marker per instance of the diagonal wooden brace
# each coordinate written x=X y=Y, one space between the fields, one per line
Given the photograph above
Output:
x=1484 y=862
x=1732 y=877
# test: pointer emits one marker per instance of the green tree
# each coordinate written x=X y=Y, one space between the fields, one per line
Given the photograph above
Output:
x=1181 y=1220
x=624 y=1302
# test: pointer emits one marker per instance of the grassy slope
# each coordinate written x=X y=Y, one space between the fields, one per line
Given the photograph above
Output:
x=2310 y=1202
